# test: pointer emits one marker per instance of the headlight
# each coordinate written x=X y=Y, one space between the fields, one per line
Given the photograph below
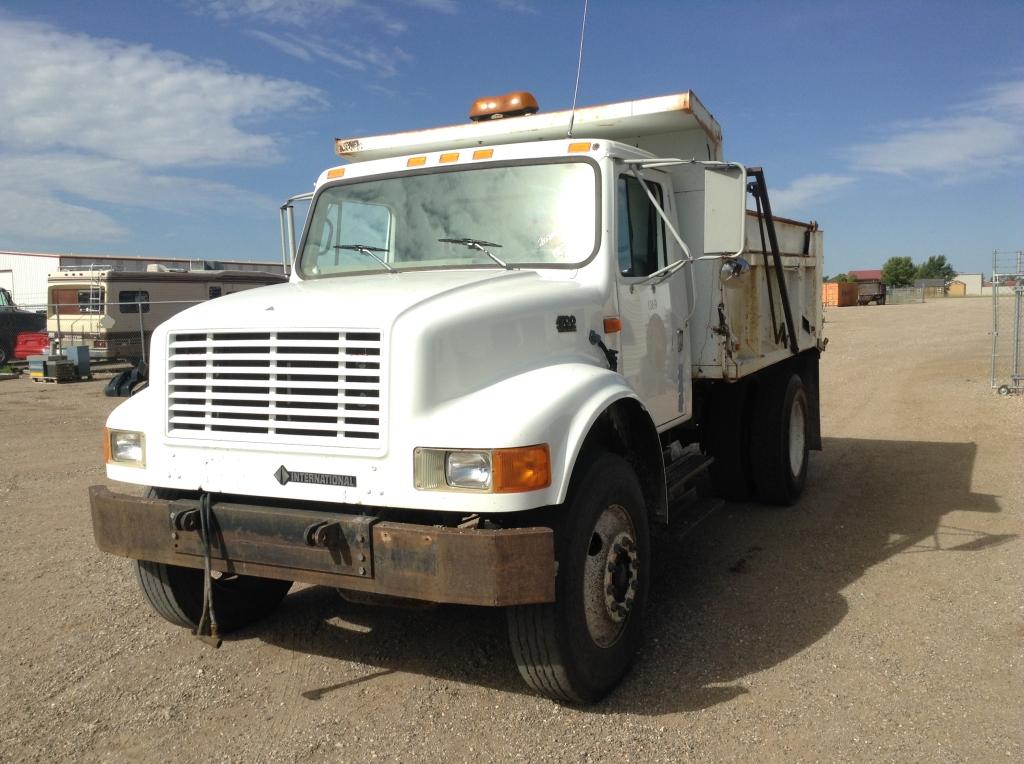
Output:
x=468 y=469
x=500 y=470
x=126 y=447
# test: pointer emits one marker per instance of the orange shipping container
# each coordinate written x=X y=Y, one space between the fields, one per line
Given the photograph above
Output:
x=835 y=294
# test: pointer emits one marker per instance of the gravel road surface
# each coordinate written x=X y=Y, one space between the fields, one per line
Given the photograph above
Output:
x=881 y=618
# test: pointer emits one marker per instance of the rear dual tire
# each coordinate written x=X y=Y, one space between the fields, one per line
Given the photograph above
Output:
x=779 y=440
x=759 y=439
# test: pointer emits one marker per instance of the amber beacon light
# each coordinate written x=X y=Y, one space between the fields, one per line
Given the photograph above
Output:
x=514 y=104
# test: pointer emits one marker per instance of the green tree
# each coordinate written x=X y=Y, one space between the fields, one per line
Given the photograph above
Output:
x=936 y=267
x=899 y=272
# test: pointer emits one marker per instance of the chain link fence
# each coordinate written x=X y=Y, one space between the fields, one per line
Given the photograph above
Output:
x=903 y=295
x=113 y=331
x=1007 y=329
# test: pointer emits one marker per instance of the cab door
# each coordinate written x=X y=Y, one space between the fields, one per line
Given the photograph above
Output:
x=653 y=338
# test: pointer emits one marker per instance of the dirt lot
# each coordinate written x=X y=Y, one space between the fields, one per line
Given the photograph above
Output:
x=880 y=619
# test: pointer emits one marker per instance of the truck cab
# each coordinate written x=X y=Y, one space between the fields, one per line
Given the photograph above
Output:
x=495 y=344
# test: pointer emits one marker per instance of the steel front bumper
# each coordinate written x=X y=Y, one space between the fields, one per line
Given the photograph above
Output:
x=476 y=566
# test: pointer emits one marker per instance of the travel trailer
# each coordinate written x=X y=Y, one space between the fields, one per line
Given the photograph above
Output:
x=114 y=312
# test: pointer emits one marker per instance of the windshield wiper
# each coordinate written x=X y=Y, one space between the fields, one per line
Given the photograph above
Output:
x=366 y=249
x=478 y=245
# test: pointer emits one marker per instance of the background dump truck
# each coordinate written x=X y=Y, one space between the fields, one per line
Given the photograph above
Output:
x=114 y=312
x=501 y=355
x=872 y=291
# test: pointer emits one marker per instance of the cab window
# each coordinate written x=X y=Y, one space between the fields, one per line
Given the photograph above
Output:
x=641 y=234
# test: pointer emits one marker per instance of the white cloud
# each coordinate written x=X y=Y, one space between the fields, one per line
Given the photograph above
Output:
x=367 y=57
x=517 y=6
x=806 y=189
x=44 y=217
x=299 y=12
x=283 y=44
x=982 y=135
x=309 y=13
x=90 y=121
x=130 y=101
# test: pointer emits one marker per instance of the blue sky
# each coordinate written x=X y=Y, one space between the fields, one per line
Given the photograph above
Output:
x=177 y=128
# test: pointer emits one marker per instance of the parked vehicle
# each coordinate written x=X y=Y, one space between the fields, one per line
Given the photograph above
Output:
x=870 y=292
x=114 y=312
x=501 y=356
x=12 y=321
x=30 y=343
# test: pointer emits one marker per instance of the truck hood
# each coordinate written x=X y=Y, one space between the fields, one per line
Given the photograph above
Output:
x=372 y=300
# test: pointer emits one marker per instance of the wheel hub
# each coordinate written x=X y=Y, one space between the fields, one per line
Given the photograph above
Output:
x=797 y=437
x=611 y=576
x=620 y=577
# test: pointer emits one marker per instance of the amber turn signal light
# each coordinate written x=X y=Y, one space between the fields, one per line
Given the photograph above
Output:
x=521 y=469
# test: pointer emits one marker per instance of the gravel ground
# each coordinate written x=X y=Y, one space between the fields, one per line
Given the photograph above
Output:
x=879 y=619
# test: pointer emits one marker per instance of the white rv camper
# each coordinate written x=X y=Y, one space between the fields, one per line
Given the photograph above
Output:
x=113 y=311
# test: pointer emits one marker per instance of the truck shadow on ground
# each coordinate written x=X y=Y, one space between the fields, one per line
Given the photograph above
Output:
x=743 y=591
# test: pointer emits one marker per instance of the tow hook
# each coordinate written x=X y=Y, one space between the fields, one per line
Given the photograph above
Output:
x=324 y=534
x=186 y=521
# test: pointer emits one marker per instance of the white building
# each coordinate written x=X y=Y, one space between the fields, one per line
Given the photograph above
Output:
x=973 y=283
x=24 y=274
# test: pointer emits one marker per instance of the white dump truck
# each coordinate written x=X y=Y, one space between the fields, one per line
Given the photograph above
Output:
x=504 y=349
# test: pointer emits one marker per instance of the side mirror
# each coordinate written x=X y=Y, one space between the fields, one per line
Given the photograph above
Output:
x=725 y=209
x=288 y=240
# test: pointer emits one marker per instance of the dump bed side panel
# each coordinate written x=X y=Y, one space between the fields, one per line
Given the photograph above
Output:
x=739 y=330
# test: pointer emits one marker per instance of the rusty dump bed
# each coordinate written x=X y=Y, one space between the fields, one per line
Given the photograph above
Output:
x=468 y=566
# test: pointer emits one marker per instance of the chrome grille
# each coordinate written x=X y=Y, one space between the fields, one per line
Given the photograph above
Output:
x=289 y=387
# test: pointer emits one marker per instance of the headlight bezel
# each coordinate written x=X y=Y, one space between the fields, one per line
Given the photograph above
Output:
x=509 y=470
x=120 y=443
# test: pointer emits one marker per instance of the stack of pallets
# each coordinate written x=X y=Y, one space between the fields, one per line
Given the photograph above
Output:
x=51 y=368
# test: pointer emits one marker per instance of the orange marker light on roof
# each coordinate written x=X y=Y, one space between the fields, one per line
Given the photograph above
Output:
x=450 y=157
x=514 y=104
x=577 y=148
x=335 y=172
x=416 y=162
x=483 y=153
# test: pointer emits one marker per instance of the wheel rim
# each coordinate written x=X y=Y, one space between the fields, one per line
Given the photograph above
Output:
x=611 y=576
x=797 y=436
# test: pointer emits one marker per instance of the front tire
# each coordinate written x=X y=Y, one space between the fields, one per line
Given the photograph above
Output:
x=175 y=593
x=579 y=647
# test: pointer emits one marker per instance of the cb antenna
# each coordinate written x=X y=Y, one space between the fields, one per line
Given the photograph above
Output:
x=579 y=65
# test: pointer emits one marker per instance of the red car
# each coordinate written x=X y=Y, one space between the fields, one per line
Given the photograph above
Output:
x=30 y=343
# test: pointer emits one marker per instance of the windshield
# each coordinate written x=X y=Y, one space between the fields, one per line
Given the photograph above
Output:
x=537 y=215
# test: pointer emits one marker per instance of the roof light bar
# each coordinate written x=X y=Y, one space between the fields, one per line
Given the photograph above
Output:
x=514 y=104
